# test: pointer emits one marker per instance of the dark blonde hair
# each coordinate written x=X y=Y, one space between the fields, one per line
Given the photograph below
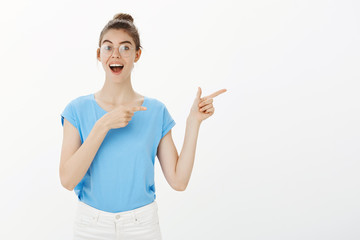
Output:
x=122 y=21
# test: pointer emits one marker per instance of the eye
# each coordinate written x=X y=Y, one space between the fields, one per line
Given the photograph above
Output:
x=107 y=48
x=124 y=47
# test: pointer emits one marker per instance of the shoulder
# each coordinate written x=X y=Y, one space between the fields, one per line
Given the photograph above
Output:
x=156 y=103
x=81 y=101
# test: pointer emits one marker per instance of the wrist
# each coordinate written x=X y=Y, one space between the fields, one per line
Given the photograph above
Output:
x=192 y=120
x=101 y=124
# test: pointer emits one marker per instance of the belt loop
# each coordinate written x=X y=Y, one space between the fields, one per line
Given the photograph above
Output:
x=97 y=217
x=97 y=213
x=156 y=205
x=135 y=217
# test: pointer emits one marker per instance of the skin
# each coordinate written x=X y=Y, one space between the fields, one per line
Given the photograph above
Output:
x=120 y=101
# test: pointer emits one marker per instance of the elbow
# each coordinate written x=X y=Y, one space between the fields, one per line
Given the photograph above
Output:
x=65 y=184
x=70 y=188
x=179 y=187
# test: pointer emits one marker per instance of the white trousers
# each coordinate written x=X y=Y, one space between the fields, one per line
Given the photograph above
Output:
x=137 y=224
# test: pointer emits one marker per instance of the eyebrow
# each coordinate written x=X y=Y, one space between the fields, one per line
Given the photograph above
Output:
x=120 y=42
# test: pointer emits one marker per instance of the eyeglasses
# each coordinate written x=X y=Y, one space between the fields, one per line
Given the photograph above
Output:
x=124 y=49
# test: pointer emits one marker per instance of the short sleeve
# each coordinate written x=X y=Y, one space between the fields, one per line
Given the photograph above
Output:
x=168 y=122
x=69 y=114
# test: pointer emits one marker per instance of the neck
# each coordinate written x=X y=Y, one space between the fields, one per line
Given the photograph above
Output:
x=117 y=91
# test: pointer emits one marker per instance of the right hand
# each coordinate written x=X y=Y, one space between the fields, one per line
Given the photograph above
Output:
x=120 y=116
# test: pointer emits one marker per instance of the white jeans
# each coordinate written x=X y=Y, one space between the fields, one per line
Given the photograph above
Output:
x=140 y=223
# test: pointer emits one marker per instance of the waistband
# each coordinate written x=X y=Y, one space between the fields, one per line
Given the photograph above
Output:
x=144 y=210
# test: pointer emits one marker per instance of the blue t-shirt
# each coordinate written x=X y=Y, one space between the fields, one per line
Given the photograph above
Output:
x=121 y=175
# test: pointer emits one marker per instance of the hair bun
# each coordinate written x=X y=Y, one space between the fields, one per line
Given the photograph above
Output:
x=123 y=16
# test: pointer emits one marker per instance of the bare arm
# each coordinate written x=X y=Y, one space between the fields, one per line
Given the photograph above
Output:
x=185 y=162
x=202 y=109
x=177 y=169
x=76 y=158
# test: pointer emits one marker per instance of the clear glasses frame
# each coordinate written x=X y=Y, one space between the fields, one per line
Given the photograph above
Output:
x=125 y=50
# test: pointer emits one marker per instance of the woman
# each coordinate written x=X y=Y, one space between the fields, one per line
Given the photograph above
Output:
x=110 y=141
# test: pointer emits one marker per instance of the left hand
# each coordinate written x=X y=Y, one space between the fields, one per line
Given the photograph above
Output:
x=203 y=108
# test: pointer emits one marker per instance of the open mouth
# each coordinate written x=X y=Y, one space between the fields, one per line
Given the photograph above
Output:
x=116 y=68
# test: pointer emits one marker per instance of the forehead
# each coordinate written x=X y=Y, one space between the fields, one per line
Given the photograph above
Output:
x=116 y=36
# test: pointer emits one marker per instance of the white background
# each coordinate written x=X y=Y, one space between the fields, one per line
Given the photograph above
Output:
x=278 y=160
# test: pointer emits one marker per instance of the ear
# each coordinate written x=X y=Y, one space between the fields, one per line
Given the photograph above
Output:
x=137 y=55
x=98 y=54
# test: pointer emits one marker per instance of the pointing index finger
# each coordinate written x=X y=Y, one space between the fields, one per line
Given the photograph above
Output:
x=138 y=108
x=216 y=93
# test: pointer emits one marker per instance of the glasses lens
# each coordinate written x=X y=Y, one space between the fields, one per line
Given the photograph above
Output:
x=124 y=50
x=106 y=49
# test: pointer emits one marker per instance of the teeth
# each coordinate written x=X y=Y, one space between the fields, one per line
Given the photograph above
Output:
x=116 y=65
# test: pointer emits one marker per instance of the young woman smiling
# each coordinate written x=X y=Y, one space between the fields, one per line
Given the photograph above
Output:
x=111 y=138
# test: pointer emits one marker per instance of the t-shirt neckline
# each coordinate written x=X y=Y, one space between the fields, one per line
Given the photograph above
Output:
x=98 y=106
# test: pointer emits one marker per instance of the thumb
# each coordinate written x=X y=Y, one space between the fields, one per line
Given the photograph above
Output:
x=198 y=94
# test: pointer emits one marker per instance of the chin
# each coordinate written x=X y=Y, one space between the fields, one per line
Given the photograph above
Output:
x=117 y=78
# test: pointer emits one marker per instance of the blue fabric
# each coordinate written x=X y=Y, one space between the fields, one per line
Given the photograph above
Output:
x=121 y=175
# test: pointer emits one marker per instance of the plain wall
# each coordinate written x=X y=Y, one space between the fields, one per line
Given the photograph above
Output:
x=278 y=160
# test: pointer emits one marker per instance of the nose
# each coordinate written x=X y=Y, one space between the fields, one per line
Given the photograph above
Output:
x=116 y=52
